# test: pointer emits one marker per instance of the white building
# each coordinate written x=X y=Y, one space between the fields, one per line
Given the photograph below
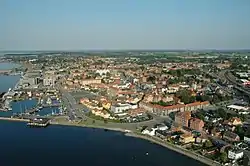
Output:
x=247 y=139
x=162 y=127
x=150 y=132
x=235 y=154
x=119 y=108
x=237 y=108
x=49 y=81
x=102 y=72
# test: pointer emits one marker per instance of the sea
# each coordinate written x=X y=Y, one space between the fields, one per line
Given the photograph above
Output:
x=59 y=145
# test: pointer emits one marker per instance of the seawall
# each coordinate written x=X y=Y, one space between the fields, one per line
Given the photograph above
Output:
x=175 y=148
x=14 y=119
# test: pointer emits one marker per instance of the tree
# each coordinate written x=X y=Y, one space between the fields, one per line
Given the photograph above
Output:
x=240 y=131
x=151 y=79
x=208 y=144
x=223 y=157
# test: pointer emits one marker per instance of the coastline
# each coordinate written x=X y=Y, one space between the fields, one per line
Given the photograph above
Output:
x=175 y=148
x=155 y=140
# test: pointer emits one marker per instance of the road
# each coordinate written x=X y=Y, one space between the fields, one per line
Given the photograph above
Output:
x=237 y=86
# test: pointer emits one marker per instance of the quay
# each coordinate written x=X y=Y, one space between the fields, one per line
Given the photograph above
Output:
x=14 y=119
x=39 y=122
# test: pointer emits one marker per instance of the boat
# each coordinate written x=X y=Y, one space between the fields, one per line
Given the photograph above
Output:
x=52 y=112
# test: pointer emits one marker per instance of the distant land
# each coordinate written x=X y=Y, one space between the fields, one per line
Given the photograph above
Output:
x=40 y=52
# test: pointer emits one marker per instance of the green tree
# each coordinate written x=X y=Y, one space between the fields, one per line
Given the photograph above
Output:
x=223 y=157
x=240 y=131
x=208 y=144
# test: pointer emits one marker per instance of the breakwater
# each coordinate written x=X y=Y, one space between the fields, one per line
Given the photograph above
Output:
x=14 y=119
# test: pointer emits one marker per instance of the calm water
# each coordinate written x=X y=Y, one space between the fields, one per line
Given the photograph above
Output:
x=70 y=146
x=7 y=82
x=7 y=66
x=22 y=106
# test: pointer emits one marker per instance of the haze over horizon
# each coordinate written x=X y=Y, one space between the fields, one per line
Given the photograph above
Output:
x=127 y=24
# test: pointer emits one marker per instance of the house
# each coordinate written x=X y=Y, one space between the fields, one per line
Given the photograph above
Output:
x=187 y=138
x=163 y=134
x=106 y=105
x=148 y=131
x=162 y=127
x=235 y=154
x=230 y=136
x=211 y=150
x=196 y=124
x=200 y=139
x=247 y=138
x=235 y=121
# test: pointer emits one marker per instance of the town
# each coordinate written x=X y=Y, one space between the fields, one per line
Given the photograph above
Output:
x=197 y=102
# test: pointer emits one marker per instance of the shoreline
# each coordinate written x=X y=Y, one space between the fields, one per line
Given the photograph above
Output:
x=155 y=140
x=175 y=148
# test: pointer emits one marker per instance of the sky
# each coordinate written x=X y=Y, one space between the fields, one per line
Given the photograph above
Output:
x=124 y=24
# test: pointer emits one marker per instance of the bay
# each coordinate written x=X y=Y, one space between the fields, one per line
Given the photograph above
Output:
x=70 y=146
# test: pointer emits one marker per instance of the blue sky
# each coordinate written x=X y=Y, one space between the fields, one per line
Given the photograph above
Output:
x=124 y=24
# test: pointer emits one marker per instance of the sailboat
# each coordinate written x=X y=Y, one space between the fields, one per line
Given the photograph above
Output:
x=52 y=112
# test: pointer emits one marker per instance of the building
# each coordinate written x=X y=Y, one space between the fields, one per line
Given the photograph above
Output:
x=237 y=108
x=119 y=107
x=235 y=121
x=230 y=136
x=187 y=138
x=247 y=139
x=182 y=118
x=148 y=131
x=49 y=80
x=196 y=124
x=90 y=81
x=235 y=154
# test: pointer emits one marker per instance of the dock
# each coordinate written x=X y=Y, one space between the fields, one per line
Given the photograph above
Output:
x=39 y=122
x=14 y=119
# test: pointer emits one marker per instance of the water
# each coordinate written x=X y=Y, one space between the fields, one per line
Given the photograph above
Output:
x=70 y=146
x=8 y=66
x=22 y=106
x=7 y=82
x=19 y=107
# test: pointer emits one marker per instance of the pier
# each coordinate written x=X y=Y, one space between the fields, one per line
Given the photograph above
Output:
x=39 y=122
x=14 y=119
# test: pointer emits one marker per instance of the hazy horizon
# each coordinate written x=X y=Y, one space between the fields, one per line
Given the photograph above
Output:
x=79 y=25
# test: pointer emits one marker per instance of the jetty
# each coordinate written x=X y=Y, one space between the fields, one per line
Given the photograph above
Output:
x=39 y=122
x=14 y=119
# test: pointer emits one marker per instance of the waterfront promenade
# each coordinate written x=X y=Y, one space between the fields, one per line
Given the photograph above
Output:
x=14 y=119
